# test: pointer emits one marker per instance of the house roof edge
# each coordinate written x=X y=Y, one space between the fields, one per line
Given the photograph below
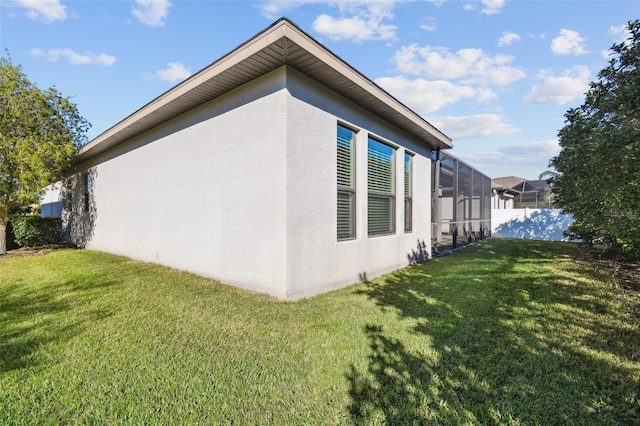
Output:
x=181 y=97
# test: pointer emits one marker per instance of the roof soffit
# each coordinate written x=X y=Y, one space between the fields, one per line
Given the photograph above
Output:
x=283 y=43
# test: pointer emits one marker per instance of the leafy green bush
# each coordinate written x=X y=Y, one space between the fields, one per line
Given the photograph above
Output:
x=33 y=231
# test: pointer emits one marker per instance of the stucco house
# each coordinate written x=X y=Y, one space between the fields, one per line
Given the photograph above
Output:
x=278 y=168
x=503 y=196
x=51 y=201
x=514 y=192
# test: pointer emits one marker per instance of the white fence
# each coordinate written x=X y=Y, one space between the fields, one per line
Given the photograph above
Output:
x=530 y=224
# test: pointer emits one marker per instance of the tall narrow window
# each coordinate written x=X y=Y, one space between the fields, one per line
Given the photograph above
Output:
x=87 y=191
x=380 y=184
x=346 y=184
x=69 y=194
x=408 y=205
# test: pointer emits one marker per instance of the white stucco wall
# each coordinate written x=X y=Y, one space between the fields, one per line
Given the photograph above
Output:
x=205 y=192
x=316 y=260
x=499 y=201
x=243 y=189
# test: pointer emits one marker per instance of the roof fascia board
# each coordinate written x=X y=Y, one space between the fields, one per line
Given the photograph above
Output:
x=281 y=29
x=236 y=56
x=303 y=40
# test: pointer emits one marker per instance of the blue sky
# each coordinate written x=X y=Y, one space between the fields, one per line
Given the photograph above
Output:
x=496 y=76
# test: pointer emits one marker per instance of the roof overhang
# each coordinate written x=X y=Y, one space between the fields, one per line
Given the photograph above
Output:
x=283 y=43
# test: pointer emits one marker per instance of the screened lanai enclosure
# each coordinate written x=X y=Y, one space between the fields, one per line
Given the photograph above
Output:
x=461 y=203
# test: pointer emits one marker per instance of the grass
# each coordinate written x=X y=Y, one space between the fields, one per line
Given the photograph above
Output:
x=505 y=332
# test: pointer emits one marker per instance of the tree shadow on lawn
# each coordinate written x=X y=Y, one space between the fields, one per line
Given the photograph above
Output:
x=33 y=317
x=507 y=341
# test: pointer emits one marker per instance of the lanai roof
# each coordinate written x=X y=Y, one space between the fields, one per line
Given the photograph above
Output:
x=283 y=43
x=506 y=182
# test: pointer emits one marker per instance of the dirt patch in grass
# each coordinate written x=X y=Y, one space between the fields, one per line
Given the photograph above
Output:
x=625 y=272
x=36 y=251
x=628 y=275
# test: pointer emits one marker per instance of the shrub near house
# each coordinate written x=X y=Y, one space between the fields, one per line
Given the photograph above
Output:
x=30 y=231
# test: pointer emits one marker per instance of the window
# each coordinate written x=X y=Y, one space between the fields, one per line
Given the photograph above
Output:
x=87 y=190
x=69 y=195
x=380 y=185
x=346 y=183
x=408 y=205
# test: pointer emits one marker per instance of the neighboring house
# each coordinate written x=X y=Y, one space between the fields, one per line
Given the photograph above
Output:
x=502 y=196
x=278 y=168
x=51 y=201
x=534 y=194
x=513 y=192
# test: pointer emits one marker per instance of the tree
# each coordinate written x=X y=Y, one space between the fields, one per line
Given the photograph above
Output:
x=599 y=161
x=40 y=131
x=548 y=175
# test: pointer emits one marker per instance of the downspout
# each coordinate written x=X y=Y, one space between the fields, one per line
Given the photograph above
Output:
x=437 y=230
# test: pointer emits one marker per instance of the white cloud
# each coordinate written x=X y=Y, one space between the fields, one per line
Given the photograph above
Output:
x=474 y=126
x=473 y=65
x=526 y=159
x=358 y=22
x=354 y=28
x=508 y=38
x=569 y=42
x=491 y=7
x=619 y=32
x=428 y=24
x=560 y=89
x=544 y=148
x=151 y=12
x=44 y=10
x=174 y=72
x=485 y=95
x=273 y=9
x=86 y=58
x=426 y=96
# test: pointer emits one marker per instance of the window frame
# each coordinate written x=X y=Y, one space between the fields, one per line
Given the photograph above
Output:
x=87 y=191
x=69 y=194
x=408 y=191
x=346 y=190
x=376 y=194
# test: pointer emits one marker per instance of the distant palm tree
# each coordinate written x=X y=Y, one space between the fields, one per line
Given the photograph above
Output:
x=548 y=175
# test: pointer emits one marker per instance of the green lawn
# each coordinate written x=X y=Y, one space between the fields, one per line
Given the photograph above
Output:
x=504 y=332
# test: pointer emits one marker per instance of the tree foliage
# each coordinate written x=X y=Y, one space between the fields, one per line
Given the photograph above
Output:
x=599 y=163
x=40 y=131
